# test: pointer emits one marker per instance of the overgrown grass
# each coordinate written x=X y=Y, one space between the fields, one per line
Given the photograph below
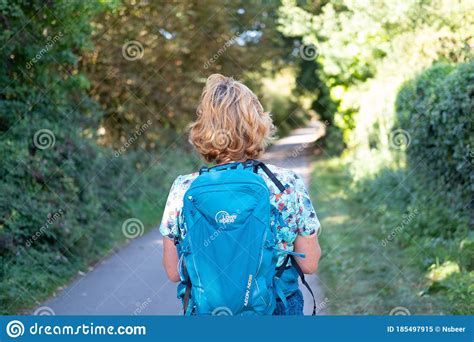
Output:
x=377 y=254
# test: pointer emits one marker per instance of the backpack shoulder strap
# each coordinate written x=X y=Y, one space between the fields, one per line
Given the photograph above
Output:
x=258 y=164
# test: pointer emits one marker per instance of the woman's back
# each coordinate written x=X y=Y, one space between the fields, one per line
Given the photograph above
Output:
x=294 y=204
x=232 y=127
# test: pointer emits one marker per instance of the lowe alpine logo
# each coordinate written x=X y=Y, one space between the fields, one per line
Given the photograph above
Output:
x=224 y=217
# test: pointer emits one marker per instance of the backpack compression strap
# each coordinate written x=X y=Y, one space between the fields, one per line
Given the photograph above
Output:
x=298 y=269
x=187 y=293
x=303 y=280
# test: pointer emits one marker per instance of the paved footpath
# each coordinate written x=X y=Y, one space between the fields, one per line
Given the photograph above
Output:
x=133 y=281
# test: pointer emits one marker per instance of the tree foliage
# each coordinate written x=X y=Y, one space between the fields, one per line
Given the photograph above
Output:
x=67 y=89
x=368 y=49
x=179 y=44
x=48 y=164
x=407 y=124
x=64 y=198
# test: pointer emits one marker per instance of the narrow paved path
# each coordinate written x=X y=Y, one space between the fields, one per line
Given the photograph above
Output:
x=294 y=152
x=132 y=280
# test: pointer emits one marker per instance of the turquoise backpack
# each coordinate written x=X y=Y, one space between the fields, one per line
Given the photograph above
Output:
x=229 y=253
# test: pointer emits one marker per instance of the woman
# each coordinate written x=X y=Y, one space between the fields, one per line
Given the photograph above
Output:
x=231 y=126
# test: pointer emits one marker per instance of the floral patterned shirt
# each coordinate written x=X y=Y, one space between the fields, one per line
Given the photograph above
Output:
x=294 y=204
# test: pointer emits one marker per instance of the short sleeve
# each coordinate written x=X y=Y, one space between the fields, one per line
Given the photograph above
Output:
x=173 y=207
x=307 y=221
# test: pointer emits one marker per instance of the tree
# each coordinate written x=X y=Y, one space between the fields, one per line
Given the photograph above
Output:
x=152 y=59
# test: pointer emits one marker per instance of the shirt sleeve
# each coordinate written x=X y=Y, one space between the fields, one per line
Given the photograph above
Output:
x=173 y=207
x=307 y=221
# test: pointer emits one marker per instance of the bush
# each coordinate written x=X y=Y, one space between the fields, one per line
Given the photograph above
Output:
x=416 y=96
x=64 y=198
x=466 y=252
x=436 y=110
x=56 y=190
x=432 y=194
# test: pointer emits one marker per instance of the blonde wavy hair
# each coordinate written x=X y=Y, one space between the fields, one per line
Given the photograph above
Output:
x=231 y=124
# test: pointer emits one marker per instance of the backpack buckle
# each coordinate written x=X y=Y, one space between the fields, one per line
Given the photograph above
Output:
x=203 y=169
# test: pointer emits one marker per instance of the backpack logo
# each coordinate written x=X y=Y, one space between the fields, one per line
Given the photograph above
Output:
x=247 y=292
x=224 y=217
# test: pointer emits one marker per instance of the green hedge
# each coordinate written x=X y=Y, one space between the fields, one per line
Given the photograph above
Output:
x=63 y=198
x=56 y=206
x=436 y=109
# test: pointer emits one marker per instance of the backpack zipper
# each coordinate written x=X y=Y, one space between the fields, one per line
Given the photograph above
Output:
x=261 y=254
x=238 y=182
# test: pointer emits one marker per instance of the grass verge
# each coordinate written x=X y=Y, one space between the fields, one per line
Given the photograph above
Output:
x=373 y=260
